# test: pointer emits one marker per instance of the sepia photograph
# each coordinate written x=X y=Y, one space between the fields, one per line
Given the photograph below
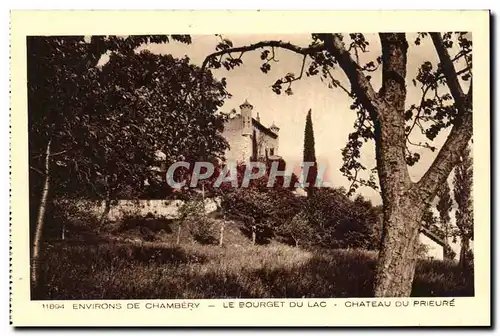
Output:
x=254 y=167
x=389 y=214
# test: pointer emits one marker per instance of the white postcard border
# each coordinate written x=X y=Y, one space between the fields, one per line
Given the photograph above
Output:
x=466 y=311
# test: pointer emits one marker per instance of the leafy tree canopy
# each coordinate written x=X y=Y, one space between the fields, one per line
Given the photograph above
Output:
x=108 y=121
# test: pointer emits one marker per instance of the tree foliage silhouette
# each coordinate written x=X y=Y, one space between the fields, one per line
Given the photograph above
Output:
x=444 y=208
x=464 y=214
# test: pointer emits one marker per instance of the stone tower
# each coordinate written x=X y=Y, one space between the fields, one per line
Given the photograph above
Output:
x=246 y=116
x=274 y=128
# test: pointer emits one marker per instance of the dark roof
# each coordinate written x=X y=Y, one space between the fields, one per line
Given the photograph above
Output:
x=263 y=128
x=432 y=236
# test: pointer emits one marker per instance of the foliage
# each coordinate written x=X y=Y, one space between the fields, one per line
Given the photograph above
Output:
x=436 y=110
x=73 y=217
x=444 y=207
x=422 y=251
x=340 y=222
x=260 y=183
x=192 y=215
x=108 y=120
x=297 y=231
x=464 y=215
x=430 y=222
x=262 y=211
x=203 y=230
x=381 y=116
x=192 y=209
x=63 y=82
x=328 y=218
x=463 y=195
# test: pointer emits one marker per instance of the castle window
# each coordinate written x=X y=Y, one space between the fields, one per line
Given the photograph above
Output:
x=271 y=151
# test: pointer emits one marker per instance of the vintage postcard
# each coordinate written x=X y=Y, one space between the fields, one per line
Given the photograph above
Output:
x=257 y=168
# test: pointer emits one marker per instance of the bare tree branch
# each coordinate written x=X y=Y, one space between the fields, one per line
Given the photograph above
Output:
x=464 y=70
x=449 y=72
x=55 y=154
x=333 y=43
x=264 y=44
x=289 y=79
x=461 y=132
x=419 y=110
x=336 y=82
x=360 y=85
x=38 y=171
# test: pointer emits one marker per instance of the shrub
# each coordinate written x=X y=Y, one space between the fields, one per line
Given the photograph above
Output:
x=72 y=217
x=191 y=209
x=328 y=218
x=262 y=212
x=297 y=231
x=203 y=230
x=340 y=222
x=192 y=215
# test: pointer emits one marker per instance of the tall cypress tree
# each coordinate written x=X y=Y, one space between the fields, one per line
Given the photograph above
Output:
x=464 y=215
x=255 y=149
x=310 y=154
x=444 y=207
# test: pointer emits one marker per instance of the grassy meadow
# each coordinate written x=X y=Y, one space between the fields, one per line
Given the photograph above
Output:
x=125 y=266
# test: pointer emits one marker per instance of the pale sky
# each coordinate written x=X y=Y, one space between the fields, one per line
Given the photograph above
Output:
x=332 y=118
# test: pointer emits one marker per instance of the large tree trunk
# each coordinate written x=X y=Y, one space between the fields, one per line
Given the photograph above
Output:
x=398 y=253
x=107 y=209
x=221 y=237
x=107 y=203
x=402 y=210
x=178 y=240
x=464 y=250
x=405 y=201
x=447 y=250
x=40 y=220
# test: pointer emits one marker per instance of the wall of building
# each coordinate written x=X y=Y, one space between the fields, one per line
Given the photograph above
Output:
x=240 y=145
x=123 y=208
x=266 y=142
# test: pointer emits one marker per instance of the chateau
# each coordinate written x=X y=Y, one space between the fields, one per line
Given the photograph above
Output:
x=248 y=137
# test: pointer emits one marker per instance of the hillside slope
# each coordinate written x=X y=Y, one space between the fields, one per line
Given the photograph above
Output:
x=152 y=270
